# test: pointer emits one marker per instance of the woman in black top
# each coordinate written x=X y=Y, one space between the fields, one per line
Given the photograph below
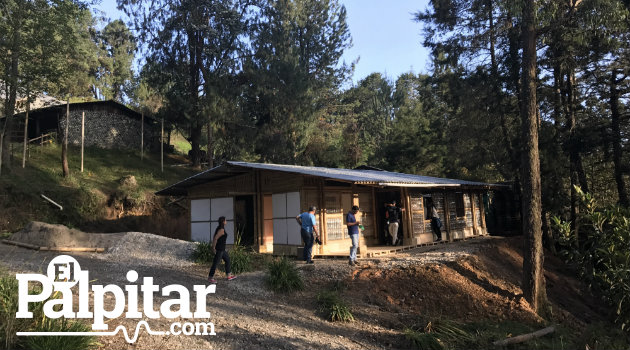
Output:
x=218 y=245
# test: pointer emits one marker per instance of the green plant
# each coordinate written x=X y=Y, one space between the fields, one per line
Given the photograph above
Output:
x=422 y=340
x=601 y=256
x=61 y=342
x=9 y=325
x=335 y=309
x=240 y=256
x=283 y=276
x=203 y=253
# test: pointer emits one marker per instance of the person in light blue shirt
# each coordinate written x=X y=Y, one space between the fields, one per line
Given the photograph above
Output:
x=353 y=232
x=308 y=231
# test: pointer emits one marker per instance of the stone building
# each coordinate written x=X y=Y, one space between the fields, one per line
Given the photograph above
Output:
x=108 y=124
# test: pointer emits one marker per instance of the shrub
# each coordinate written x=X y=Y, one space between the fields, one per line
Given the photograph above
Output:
x=240 y=256
x=602 y=257
x=9 y=325
x=423 y=341
x=203 y=253
x=335 y=309
x=445 y=334
x=61 y=342
x=283 y=276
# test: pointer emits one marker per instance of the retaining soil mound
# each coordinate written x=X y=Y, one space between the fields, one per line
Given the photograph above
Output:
x=122 y=246
x=59 y=236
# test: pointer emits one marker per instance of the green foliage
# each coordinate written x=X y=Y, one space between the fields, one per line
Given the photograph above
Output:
x=422 y=340
x=82 y=195
x=9 y=325
x=283 y=276
x=241 y=257
x=335 y=309
x=61 y=342
x=203 y=253
x=116 y=71
x=602 y=257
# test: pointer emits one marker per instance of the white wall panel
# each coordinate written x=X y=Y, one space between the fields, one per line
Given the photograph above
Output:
x=222 y=207
x=200 y=210
x=279 y=204
x=293 y=204
x=280 y=231
x=200 y=231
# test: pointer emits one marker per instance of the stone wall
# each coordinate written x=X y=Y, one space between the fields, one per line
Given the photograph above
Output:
x=109 y=130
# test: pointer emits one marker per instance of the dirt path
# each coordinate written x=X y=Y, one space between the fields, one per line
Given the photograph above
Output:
x=247 y=315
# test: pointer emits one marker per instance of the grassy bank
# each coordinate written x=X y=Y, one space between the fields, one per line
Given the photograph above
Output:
x=88 y=196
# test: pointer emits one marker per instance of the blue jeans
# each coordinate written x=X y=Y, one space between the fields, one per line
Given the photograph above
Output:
x=221 y=254
x=308 y=239
x=355 y=245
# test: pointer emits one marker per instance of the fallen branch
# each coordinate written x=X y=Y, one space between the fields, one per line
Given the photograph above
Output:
x=525 y=337
x=20 y=244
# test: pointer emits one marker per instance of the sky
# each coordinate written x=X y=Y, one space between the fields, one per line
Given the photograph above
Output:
x=385 y=38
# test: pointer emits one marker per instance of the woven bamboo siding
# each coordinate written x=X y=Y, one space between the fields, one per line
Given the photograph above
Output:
x=367 y=217
x=274 y=182
x=224 y=188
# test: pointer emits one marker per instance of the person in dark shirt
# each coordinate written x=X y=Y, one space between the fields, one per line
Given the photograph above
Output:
x=353 y=232
x=218 y=245
x=393 y=215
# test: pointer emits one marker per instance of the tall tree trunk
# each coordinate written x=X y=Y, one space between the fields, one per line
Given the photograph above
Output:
x=616 y=139
x=210 y=154
x=194 y=79
x=533 y=257
x=577 y=174
x=64 y=146
x=9 y=108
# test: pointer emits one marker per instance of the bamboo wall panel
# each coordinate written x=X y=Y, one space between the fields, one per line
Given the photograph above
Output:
x=274 y=182
x=224 y=188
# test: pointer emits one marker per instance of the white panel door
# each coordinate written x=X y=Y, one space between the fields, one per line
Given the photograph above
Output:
x=200 y=210
x=280 y=231
x=222 y=207
x=200 y=231
x=279 y=204
x=293 y=204
x=229 y=228
x=294 y=237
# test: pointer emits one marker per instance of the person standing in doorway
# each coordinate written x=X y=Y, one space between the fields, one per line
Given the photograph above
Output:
x=308 y=231
x=218 y=245
x=436 y=223
x=393 y=214
x=353 y=232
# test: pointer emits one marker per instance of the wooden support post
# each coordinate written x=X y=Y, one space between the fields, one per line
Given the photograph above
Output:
x=323 y=232
x=25 y=134
x=82 y=137
x=142 y=137
x=447 y=218
x=375 y=211
x=474 y=215
x=162 y=146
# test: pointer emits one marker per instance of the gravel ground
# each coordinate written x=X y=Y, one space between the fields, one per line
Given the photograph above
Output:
x=244 y=312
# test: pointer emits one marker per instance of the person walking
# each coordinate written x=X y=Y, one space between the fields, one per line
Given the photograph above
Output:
x=353 y=232
x=218 y=246
x=308 y=231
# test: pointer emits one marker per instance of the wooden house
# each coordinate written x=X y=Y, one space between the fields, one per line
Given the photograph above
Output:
x=260 y=202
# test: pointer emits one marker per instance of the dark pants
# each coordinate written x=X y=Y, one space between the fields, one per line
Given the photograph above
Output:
x=308 y=239
x=436 y=228
x=221 y=254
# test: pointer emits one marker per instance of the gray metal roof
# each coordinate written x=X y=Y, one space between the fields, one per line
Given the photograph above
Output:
x=356 y=176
